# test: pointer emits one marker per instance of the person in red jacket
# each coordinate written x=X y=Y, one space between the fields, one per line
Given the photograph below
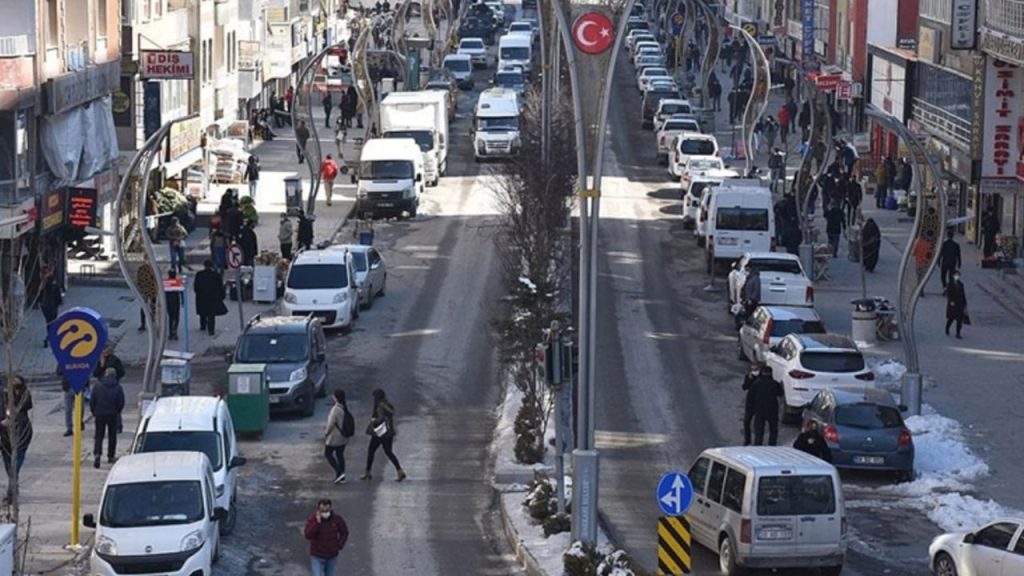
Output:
x=784 y=120
x=327 y=534
x=328 y=172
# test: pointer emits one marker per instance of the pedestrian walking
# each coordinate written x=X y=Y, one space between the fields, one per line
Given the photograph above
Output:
x=176 y=235
x=328 y=172
x=777 y=167
x=881 y=183
x=764 y=394
x=750 y=294
x=949 y=259
x=956 y=305
x=252 y=174
x=748 y=400
x=327 y=533
x=305 y=236
x=715 y=92
x=834 y=225
x=301 y=137
x=174 y=303
x=852 y=199
x=352 y=107
x=249 y=244
x=990 y=227
x=340 y=136
x=785 y=118
x=328 y=103
x=905 y=176
x=871 y=238
x=771 y=132
x=49 y=301
x=106 y=403
x=289 y=97
x=381 y=430
x=15 y=430
x=812 y=442
x=284 y=236
x=218 y=248
x=209 y=289
x=341 y=426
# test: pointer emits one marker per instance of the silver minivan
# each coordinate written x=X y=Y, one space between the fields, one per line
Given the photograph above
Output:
x=768 y=507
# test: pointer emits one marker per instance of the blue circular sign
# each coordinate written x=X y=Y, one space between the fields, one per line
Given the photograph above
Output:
x=675 y=493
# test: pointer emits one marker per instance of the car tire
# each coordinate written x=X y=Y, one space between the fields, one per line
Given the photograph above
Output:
x=905 y=476
x=791 y=415
x=228 y=524
x=727 y=557
x=944 y=565
x=310 y=408
x=369 y=297
x=832 y=570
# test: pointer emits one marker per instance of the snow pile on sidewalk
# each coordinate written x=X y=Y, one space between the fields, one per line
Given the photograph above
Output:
x=888 y=372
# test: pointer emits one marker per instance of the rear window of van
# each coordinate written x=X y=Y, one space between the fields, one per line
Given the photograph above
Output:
x=795 y=495
x=750 y=219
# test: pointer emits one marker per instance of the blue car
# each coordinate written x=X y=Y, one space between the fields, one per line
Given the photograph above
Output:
x=864 y=430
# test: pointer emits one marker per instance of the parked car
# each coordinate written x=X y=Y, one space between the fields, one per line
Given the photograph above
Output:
x=704 y=166
x=783 y=280
x=637 y=23
x=768 y=325
x=663 y=83
x=640 y=41
x=650 y=60
x=371 y=273
x=476 y=50
x=667 y=133
x=864 y=430
x=687 y=145
x=461 y=67
x=647 y=74
x=646 y=49
x=322 y=283
x=808 y=363
x=294 y=349
x=768 y=507
x=649 y=104
x=638 y=35
x=667 y=108
x=995 y=549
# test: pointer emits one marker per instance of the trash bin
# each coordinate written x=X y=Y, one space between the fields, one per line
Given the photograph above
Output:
x=293 y=194
x=175 y=376
x=863 y=321
x=366 y=237
x=249 y=398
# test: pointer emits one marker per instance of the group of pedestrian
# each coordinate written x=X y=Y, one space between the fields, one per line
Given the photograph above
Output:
x=891 y=176
x=287 y=237
x=761 y=410
x=340 y=428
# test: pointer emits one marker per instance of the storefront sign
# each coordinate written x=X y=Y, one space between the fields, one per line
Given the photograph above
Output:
x=277 y=56
x=844 y=91
x=907 y=43
x=807 y=32
x=827 y=82
x=977 y=105
x=963 y=24
x=248 y=55
x=888 y=86
x=51 y=213
x=166 y=65
x=1004 y=108
x=185 y=136
x=76 y=88
x=82 y=207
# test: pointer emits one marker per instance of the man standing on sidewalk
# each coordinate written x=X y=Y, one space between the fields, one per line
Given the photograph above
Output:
x=328 y=172
x=176 y=235
x=285 y=235
x=328 y=104
x=209 y=289
x=106 y=404
x=301 y=137
x=174 y=303
x=881 y=183
x=949 y=259
x=252 y=174
x=834 y=224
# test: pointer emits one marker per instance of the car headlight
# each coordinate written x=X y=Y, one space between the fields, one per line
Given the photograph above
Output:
x=297 y=375
x=220 y=490
x=290 y=297
x=407 y=193
x=105 y=545
x=192 y=541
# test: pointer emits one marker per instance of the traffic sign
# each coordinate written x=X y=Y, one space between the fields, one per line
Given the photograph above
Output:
x=593 y=32
x=77 y=339
x=766 y=40
x=673 y=545
x=677 y=23
x=750 y=28
x=675 y=493
x=235 y=257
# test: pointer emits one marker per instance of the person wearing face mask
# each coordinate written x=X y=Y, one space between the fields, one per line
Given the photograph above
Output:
x=327 y=533
x=956 y=304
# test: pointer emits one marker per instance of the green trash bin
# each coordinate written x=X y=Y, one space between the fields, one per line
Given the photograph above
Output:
x=249 y=398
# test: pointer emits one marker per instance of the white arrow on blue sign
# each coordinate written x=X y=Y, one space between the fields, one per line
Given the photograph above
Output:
x=675 y=493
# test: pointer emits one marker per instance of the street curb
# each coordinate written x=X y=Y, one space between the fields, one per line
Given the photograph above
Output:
x=523 y=555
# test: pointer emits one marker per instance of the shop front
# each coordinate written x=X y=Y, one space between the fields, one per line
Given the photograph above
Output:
x=1002 y=144
x=891 y=71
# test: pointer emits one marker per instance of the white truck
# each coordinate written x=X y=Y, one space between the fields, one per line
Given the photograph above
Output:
x=422 y=116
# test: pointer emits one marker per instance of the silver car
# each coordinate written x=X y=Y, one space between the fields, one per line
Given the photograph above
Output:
x=770 y=324
x=371 y=273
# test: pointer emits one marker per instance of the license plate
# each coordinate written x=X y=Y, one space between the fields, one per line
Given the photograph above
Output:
x=275 y=399
x=386 y=204
x=728 y=241
x=868 y=460
x=774 y=534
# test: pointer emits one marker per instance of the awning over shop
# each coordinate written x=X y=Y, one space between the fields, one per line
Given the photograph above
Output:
x=79 y=143
x=178 y=165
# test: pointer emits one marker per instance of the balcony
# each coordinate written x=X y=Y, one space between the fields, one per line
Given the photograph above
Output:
x=1006 y=16
x=941 y=121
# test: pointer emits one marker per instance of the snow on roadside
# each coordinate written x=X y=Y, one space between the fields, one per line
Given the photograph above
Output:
x=888 y=372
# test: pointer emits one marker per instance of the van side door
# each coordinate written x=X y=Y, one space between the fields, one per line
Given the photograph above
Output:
x=714 y=511
x=227 y=434
x=698 y=475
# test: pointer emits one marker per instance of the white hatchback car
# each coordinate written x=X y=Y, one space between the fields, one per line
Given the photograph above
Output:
x=371 y=273
x=690 y=145
x=807 y=363
x=996 y=549
x=323 y=283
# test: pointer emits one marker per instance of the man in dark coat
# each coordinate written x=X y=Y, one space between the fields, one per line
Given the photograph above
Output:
x=956 y=304
x=763 y=395
x=174 y=303
x=306 y=231
x=852 y=199
x=811 y=441
x=791 y=236
x=834 y=224
x=352 y=106
x=49 y=302
x=106 y=403
x=871 y=239
x=949 y=258
x=248 y=243
x=990 y=226
x=328 y=103
x=209 y=289
x=327 y=533
x=109 y=360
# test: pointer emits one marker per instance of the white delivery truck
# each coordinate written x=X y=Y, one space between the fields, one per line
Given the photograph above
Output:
x=390 y=177
x=422 y=116
x=516 y=50
x=496 y=124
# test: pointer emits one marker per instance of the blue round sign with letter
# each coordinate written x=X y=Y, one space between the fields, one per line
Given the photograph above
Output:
x=675 y=493
x=77 y=338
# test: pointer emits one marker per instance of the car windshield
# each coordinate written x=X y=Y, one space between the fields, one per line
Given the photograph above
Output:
x=360 y=260
x=697 y=147
x=472 y=44
x=795 y=495
x=515 y=53
x=497 y=124
x=508 y=79
x=207 y=442
x=386 y=170
x=649 y=61
x=152 y=504
x=257 y=348
x=868 y=416
x=704 y=164
x=317 y=277
x=457 y=65
x=424 y=139
x=520 y=27
x=832 y=361
x=685 y=125
x=671 y=108
x=782 y=328
x=734 y=218
x=655 y=72
x=775 y=265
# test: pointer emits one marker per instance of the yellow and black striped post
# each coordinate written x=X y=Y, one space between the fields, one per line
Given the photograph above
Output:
x=673 y=545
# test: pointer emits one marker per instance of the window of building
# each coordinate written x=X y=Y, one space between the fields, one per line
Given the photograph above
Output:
x=937 y=10
x=101 y=18
x=52 y=22
x=945 y=89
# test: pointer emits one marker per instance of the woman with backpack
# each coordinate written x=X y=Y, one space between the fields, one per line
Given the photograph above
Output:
x=340 y=427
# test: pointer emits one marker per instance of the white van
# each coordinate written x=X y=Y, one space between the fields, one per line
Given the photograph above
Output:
x=322 y=283
x=768 y=507
x=496 y=124
x=740 y=219
x=516 y=50
x=157 y=515
x=200 y=424
x=391 y=176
